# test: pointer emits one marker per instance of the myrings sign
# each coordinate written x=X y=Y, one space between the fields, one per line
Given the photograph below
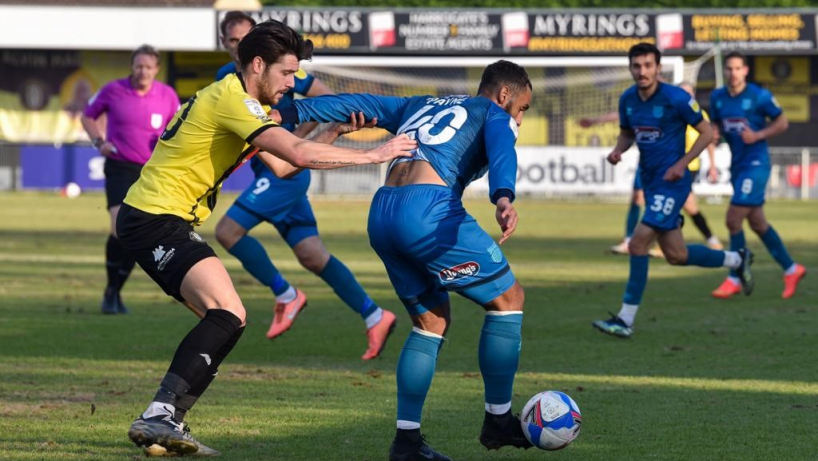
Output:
x=331 y=31
x=553 y=32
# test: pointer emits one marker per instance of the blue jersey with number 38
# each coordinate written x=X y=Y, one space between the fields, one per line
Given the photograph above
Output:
x=659 y=125
x=462 y=137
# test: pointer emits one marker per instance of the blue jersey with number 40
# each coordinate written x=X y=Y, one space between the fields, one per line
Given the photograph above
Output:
x=659 y=125
x=462 y=137
x=732 y=114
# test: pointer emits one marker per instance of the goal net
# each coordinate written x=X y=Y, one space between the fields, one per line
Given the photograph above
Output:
x=574 y=103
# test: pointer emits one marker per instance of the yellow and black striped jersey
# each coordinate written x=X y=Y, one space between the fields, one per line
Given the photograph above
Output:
x=203 y=143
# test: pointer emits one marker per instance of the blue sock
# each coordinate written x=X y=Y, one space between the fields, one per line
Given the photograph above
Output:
x=340 y=278
x=637 y=280
x=737 y=242
x=633 y=219
x=776 y=248
x=254 y=258
x=416 y=367
x=702 y=256
x=499 y=354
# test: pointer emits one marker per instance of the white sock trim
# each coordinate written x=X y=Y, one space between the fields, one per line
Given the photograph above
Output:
x=159 y=409
x=426 y=333
x=374 y=318
x=735 y=280
x=503 y=313
x=287 y=296
x=791 y=270
x=408 y=425
x=628 y=313
x=496 y=409
x=732 y=259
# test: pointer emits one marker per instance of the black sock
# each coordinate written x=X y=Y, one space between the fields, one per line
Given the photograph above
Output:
x=196 y=354
x=701 y=224
x=186 y=401
x=113 y=261
x=124 y=271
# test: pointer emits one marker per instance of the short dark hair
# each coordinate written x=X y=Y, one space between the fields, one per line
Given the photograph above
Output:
x=642 y=49
x=504 y=73
x=271 y=40
x=736 y=54
x=234 y=17
x=145 y=49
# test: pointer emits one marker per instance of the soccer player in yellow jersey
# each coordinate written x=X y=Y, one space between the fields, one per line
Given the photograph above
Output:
x=205 y=141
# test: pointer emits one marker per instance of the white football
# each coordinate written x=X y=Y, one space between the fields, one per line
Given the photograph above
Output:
x=551 y=420
x=71 y=190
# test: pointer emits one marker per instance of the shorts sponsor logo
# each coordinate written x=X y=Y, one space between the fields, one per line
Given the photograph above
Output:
x=495 y=253
x=459 y=271
x=162 y=257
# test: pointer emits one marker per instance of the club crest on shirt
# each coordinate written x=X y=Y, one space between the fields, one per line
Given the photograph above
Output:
x=156 y=121
x=658 y=111
x=647 y=134
x=746 y=104
x=459 y=271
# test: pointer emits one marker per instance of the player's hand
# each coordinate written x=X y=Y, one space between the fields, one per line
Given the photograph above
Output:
x=107 y=149
x=713 y=174
x=506 y=217
x=356 y=122
x=275 y=115
x=749 y=136
x=399 y=146
x=675 y=172
x=614 y=157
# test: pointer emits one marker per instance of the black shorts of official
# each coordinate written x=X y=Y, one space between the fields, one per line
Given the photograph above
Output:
x=695 y=175
x=119 y=177
x=165 y=246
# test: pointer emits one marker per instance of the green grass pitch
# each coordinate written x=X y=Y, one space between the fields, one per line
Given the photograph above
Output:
x=702 y=379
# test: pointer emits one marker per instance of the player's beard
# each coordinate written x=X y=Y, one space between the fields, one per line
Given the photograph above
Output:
x=265 y=96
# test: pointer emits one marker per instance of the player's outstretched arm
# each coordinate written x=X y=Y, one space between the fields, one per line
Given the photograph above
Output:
x=337 y=108
x=314 y=155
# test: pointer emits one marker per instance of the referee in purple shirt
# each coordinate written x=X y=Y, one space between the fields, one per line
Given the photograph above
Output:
x=137 y=108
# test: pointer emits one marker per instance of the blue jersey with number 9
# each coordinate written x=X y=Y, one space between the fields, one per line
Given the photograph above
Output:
x=462 y=137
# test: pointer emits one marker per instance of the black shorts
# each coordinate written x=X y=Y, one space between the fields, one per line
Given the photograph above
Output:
x=695 y=175
x=165 y=246
x=119 y=177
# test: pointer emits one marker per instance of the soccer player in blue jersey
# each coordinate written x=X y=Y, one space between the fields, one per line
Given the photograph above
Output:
x=431 y=246
x=655 y=115
x=284 y=204
x=740 y=111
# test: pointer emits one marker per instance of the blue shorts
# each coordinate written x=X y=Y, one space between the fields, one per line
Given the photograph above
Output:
x=749 y=186
x=663 y=204
x=430 y=245
x=281 y=202
x=637 y=180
